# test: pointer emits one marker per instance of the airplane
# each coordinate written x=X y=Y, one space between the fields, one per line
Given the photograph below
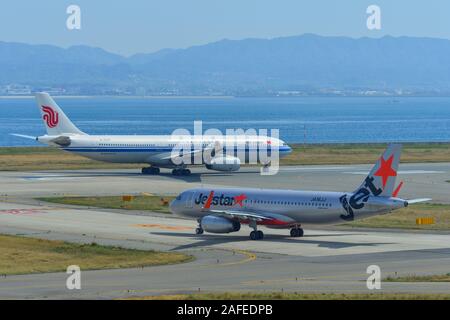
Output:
x=222 y=210
x=155 y=150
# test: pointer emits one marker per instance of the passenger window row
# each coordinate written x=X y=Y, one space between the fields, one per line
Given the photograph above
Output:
x=289 y=203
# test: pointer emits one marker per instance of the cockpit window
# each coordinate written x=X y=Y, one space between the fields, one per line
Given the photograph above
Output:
x=178 y=197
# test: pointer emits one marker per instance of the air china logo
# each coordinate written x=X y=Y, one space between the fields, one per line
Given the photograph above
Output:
x=221 y=200
x=50 y=116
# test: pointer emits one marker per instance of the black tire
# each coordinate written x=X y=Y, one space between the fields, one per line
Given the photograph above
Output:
x=260 y=235
x=176 y=172
x=253 y=235
x=294 y=232
x=150 y=170
x=186 y=172
x=199 y=231
x=300 y=232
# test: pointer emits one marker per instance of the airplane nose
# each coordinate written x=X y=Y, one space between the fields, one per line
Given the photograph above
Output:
x=173 y=205
x=289 y=149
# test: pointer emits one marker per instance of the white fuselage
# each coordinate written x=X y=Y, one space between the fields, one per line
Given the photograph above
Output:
x=156 y=149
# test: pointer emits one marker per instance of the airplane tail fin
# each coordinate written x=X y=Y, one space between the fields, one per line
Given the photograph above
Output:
x=381 y=179
x=55 y=121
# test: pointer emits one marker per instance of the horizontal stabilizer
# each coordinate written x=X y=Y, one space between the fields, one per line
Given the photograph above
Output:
x=412 y=201
x=23 y=136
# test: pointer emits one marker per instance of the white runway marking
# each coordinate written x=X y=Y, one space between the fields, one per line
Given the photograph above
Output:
x=312 y=168
x=399 y=172
x=51 y=178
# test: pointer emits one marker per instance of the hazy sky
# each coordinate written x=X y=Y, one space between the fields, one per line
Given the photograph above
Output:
x=133 y=26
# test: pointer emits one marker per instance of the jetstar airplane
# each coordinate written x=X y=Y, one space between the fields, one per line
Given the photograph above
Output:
x=222 y=210
x=156 y=150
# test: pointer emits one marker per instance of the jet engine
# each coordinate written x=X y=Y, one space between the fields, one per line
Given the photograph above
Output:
x=224 y=163
x=215 y=224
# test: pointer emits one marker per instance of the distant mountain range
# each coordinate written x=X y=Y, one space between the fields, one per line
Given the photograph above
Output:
x=299 y=64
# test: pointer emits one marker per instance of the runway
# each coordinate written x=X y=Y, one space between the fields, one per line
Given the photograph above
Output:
x=420 y=180
x=325 y=260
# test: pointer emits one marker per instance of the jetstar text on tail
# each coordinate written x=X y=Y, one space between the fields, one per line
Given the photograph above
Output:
x=358 y=199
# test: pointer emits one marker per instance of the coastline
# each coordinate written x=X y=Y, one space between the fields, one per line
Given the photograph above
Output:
x=120 y=97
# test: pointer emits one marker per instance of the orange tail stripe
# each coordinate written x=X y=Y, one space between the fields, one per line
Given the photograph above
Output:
x=397 y=190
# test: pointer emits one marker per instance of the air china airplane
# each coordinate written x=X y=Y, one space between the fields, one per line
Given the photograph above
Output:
x=222 y=210
x=156 y=150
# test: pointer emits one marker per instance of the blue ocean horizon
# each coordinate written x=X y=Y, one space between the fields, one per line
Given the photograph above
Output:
x=299 y=120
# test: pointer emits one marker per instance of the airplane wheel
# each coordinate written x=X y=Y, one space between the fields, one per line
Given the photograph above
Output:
x=294 y=233
x=199 y=231
x=297 y=232
x=256 y=235
x=260 y=235
x=181 y=172
x=150 y=170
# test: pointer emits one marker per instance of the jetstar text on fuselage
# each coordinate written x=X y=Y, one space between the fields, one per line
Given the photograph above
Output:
x=221 y=200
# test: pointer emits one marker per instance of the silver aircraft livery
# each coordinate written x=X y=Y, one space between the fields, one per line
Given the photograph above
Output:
x=155 y=150
x=222 y=210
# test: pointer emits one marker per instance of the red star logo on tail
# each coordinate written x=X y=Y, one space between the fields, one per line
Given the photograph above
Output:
x=385 y=171
x=238 y=199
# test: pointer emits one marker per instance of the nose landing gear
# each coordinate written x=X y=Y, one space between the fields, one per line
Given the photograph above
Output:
x=199 y=230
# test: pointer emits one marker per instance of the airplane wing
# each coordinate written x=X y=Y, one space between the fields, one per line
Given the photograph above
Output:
x=265 y=218
x=241 y=214
x=181 y=154
x=412 y=201
x=214 y=146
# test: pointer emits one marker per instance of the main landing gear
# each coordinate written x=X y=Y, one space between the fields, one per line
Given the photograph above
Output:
x=181 y=172
x=297 y=232
x=150 y=170
x=175 y=172
x=255 y=234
